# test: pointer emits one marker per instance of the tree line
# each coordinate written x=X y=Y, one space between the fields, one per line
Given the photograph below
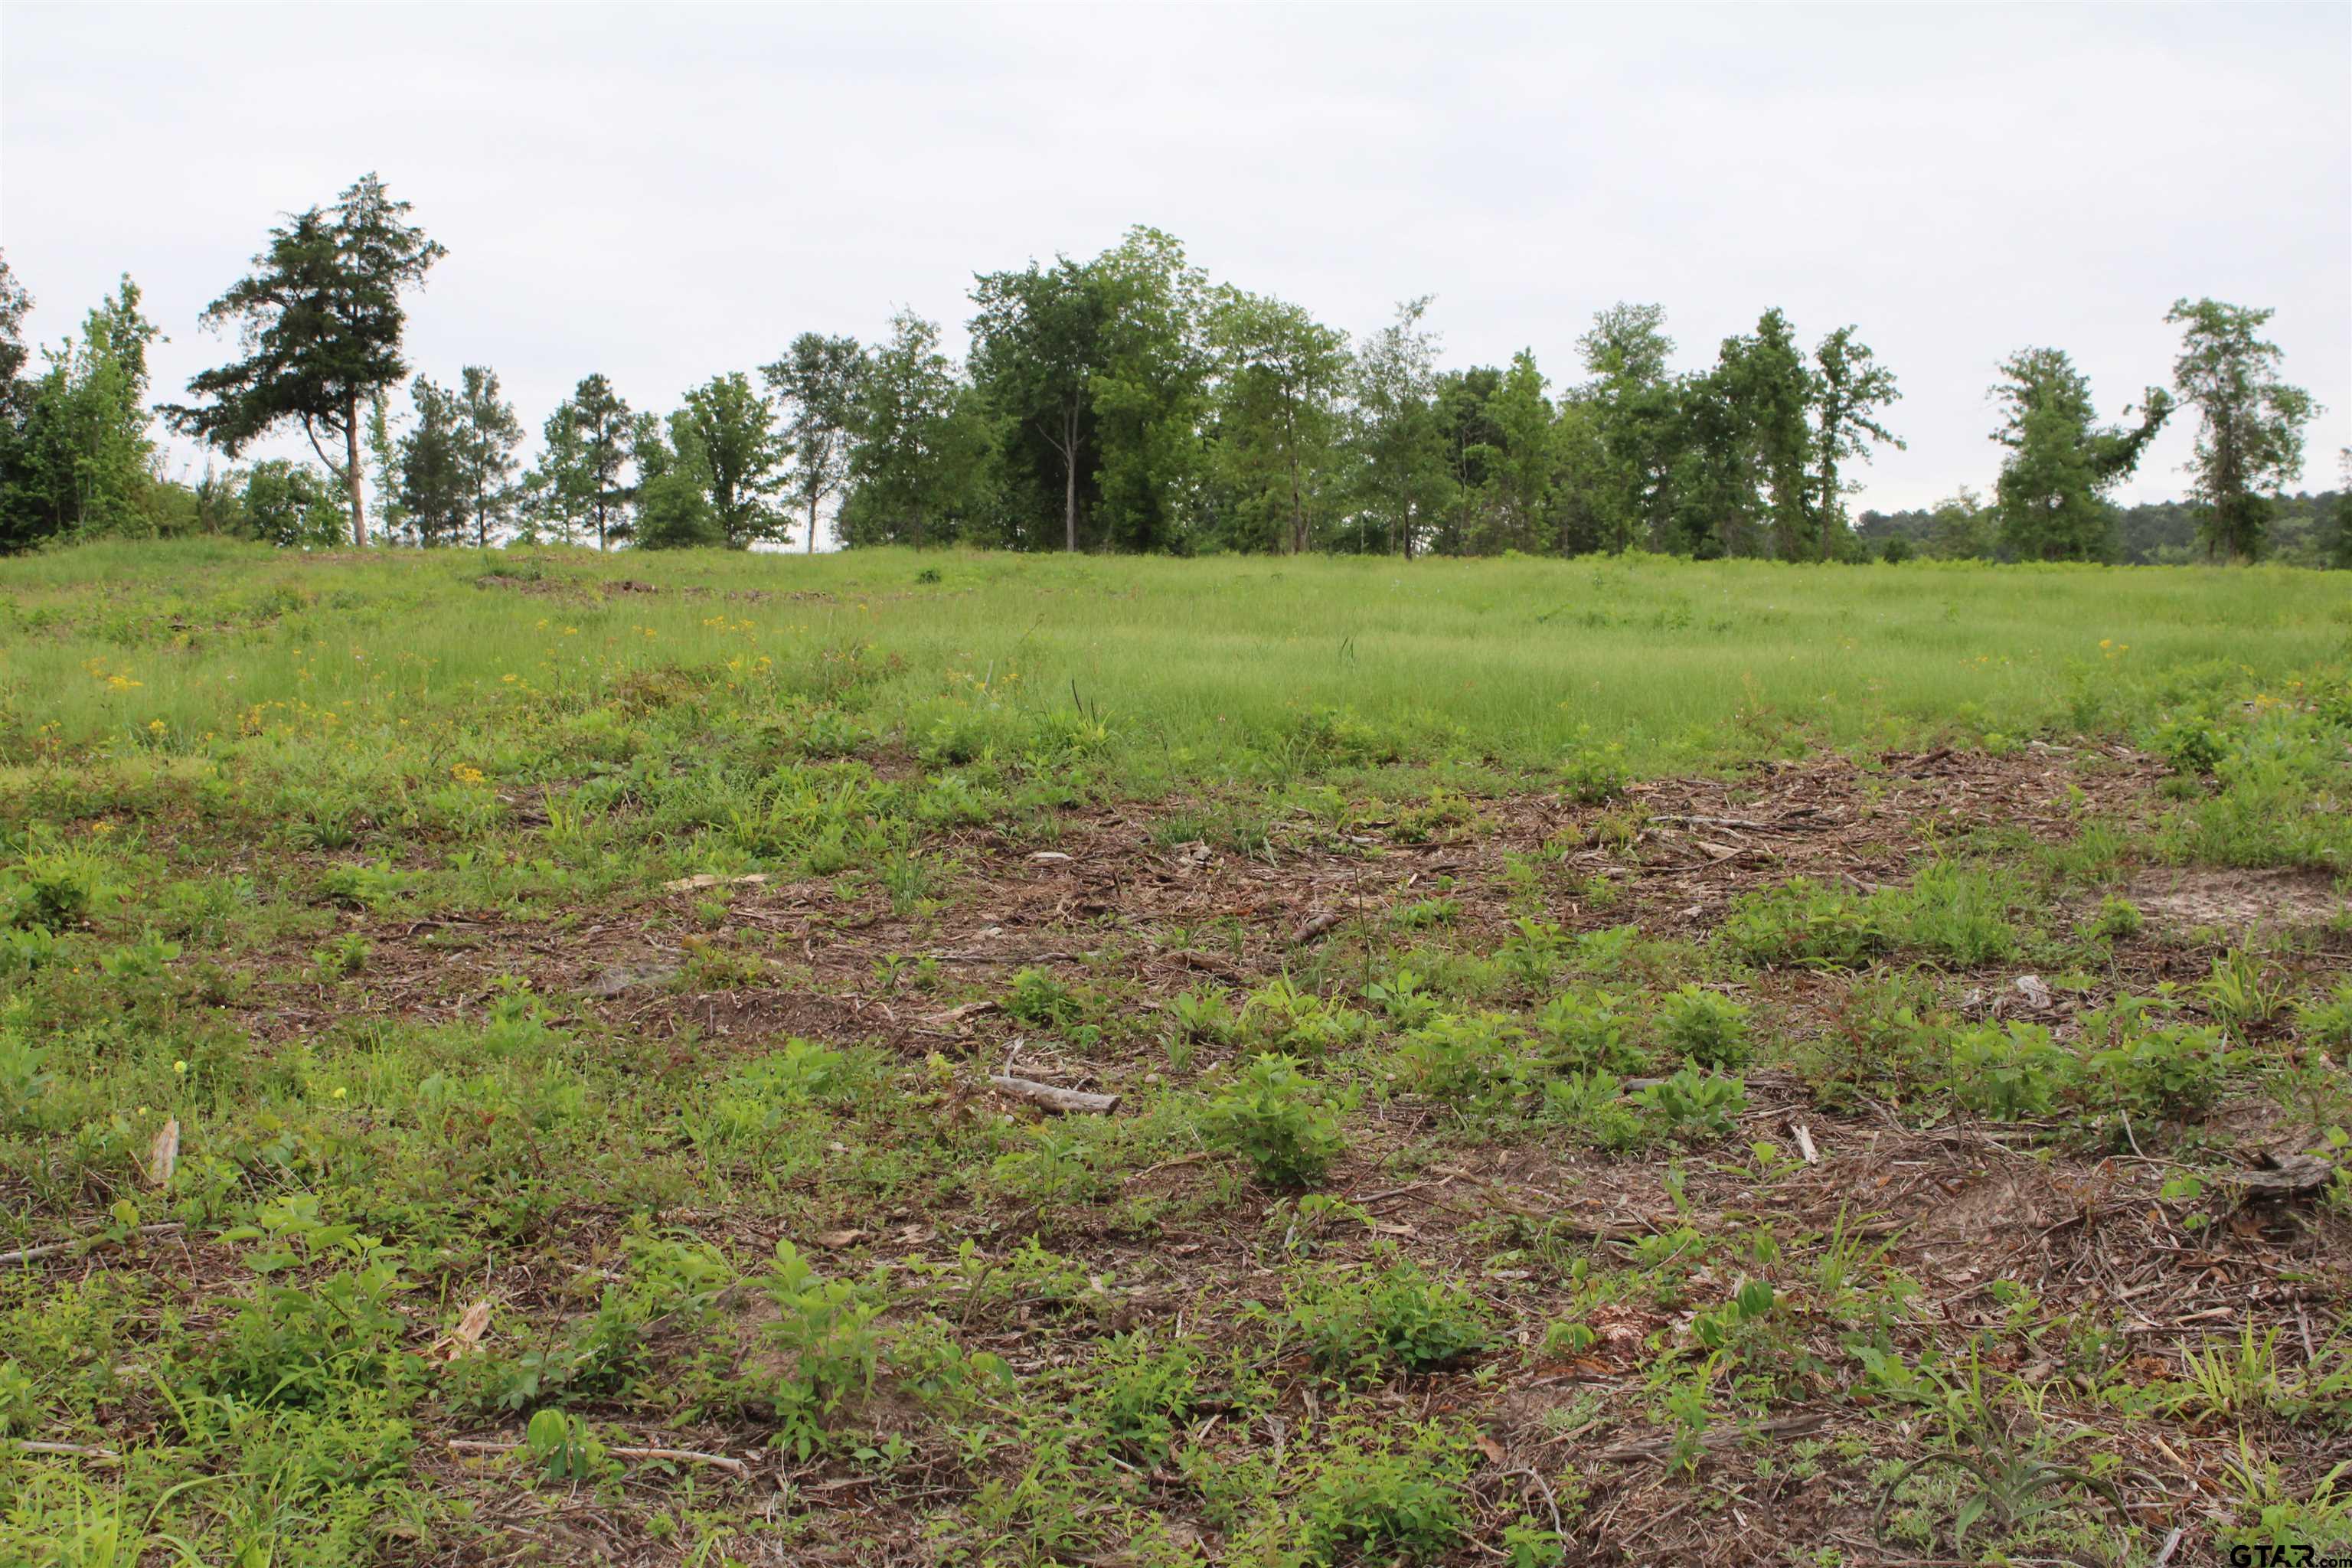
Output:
x=1125 y=402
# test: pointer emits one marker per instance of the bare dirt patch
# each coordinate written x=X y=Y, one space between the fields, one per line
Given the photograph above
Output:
x=2186 y=898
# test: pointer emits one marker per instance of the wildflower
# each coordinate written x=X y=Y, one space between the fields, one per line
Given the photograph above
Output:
x=100 y=829
x=466 y=774
x=156 y=726
x=339 y=1092
x=181 y=1068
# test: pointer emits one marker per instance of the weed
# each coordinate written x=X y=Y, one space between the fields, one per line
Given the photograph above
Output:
x=1704 y=1027
x=1277 y=1119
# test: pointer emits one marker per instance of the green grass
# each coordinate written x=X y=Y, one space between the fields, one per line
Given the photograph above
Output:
x=1197 y=667
x=577 y=996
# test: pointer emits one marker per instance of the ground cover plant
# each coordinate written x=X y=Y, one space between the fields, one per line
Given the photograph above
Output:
x=934 y=1058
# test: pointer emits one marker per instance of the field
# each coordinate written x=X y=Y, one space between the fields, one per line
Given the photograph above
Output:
x=939 y=1057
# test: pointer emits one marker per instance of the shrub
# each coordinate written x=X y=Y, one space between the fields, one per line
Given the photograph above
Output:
x=1463 y=1059
x=2329 y=1021
x=2009 y=1073
x=1370 y=1497
x=1039 y=1000
x=1584 y=1032
x=2119 y=917
x=2175 y=1070
x=825 y=1333
x=1274 y=1116
x=1803 y=922
x=1704 y=1027
x=1692 y=1101
x=1358 y=1326
x=1142 y=1392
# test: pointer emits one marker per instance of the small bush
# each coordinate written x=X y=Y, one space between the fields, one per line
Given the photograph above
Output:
x=1274 y=1116
x=1370 y=1497
x=1695 y=1102
x=2117 y=918
x=1582 y=1032
x=1804 y=923
x=1704 y=1027
x=2009 y=1073
x=1358 y=1326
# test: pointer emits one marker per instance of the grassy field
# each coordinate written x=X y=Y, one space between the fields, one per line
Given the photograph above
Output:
x=530 y=1056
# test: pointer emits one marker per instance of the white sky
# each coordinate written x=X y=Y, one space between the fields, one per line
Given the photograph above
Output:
x=661 y=192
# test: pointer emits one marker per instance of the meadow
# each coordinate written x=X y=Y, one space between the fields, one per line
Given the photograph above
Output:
x=961 y=1057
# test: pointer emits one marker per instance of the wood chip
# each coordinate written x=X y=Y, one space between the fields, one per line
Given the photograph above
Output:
x=696 y=884
x=1052 y=1096
x=164 y=1154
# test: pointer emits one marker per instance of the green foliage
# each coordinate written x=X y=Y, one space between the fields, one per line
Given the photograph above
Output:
x=1704 y=1027
x=1803 y=922
x=2010 y=1072
x=565 y=1446
x=1695 y=1103
x=1368 y=1494
x=320 y=318
x=1277 y=1119
x=1368 y=1325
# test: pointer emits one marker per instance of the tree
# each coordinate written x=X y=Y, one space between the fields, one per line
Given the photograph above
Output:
x=724 y=435
x=1522 y=470
x=1280 y=373
x=1037 y=339
x=384 y=461
x=598 y=430
x=1469 y=437
x=290 y=505
x=488 y=437
x=1850 y=387
x=673 y=510
x=78 y=460
x=551 y=500
x=2250 y=438
x=434 y=490
x=2051 y=499
x=922 y=442
x=1149 y=390
x=1399 y=450
x=1765 y=381
x=1962 y=528
x=320 y=319
x=1634 y=409
x=817 y=381
x=2338 y=540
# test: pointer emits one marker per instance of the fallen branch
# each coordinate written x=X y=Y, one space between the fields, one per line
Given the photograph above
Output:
x=1721 y=1437
x=689 y=1455
x=953 y=1017
x=26 y=1253
x=1052 y=1096
x=70 y=1450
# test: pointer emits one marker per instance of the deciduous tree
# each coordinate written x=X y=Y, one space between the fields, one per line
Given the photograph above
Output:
x=2250 y=431
x=818 y=381
x=1279 y=377
x=1850 y=388
x=2050 y=500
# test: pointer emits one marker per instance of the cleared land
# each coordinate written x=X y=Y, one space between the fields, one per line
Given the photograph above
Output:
x=534 y=1058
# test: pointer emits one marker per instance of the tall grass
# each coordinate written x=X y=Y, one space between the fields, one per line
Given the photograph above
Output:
x=1195 y=665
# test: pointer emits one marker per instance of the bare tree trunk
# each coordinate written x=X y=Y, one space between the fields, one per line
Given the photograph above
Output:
x=1070 y=481
x=812 y=544
x=353 y=480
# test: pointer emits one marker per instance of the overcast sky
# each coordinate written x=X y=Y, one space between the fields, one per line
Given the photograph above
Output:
x=661 y=192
